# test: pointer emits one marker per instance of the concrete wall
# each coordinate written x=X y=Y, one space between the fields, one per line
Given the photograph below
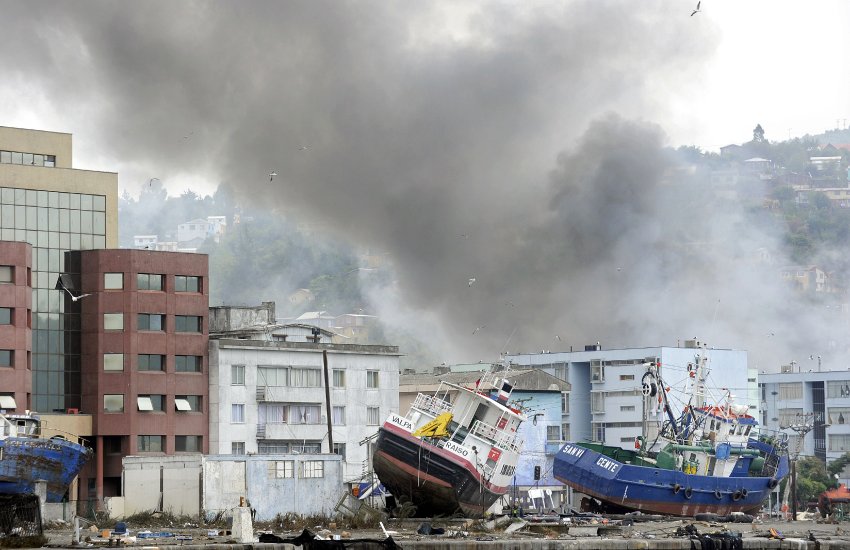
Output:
x=168 y=483
x=191 y=485
x=228 y=478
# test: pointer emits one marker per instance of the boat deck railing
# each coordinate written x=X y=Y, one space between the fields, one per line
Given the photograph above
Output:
x=500 y=438
x=431 y=404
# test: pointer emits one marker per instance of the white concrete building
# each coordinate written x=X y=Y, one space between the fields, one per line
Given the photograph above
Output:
x=605 y=400
x=192 y=230
x=268 y=396
x=818 y=400
x=143 y=242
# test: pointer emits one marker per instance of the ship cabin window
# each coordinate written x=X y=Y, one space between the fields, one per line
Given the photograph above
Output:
x=693 y=457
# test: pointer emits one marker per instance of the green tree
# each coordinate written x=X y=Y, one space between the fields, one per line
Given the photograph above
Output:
x=812 y=479
x=758 y=134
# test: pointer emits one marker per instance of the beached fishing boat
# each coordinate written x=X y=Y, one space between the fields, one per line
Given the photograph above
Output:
x=710 y=458
x=454 y=452
x=27 y=457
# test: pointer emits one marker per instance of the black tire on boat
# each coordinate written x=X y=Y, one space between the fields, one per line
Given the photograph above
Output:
x=676 y=488
x=736 y=496
x=717 y=494
x=744 y=493
x=689 y=493
x=773 y=483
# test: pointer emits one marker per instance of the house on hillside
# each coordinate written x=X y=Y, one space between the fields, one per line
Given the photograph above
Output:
x=807 y=279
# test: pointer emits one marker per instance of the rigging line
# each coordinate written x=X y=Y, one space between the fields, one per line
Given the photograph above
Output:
x=505 y=345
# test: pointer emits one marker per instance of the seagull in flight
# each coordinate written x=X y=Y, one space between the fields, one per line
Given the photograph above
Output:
x=303 y=147
x=477 y=329
x=696 y=11
x=471 y=281
x=272 y=174
x=71 y=294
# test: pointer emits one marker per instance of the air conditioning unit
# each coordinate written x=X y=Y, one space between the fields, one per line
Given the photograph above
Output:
x=73 y=411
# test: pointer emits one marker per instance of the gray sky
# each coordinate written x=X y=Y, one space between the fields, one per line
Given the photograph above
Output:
x=535 y=129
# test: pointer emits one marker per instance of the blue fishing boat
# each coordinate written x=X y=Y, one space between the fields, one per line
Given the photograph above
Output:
x=27 y=457
x=709 y=459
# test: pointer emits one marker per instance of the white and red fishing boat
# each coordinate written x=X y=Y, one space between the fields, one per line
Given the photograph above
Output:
x=454 y=452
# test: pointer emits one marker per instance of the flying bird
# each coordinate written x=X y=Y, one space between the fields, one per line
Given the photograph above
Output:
x=187 y=136
x=272 y=174
x=463 y=236
x=696 y=11
x=303 y=148
x=477 y=329
x=471 y=281
x=509 y=303
x=71 y=294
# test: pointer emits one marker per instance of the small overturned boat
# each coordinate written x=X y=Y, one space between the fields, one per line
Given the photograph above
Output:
x=27 y=457
x=454 y=452
x=709 y=459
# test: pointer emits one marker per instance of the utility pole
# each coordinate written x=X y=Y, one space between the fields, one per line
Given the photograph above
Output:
x=802 y=425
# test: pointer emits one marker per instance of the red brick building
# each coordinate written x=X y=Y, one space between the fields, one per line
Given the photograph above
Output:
x=15 y=326
x=143 y=347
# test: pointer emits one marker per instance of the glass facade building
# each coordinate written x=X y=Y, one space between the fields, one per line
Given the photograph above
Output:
x=56 y=208
x=53 y=223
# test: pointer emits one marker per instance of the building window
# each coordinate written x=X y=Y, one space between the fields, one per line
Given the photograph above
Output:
x=627 y=377
x=151 y=403
x=371 y=379
x=627 y=408
x=597 y=373
x=151 y=362
x=553 y=433
x=237 y=413
x=838 y=415
x=113 y=281
x=304 y=414
x=187 y=443
x=565 y=431
x=6 y=315
x=565 y=402
x=339 y=449
x=183 y=283
x=284 y=469
x=272 y=413
x=839 y=442
x=338 y=378
x=187 y=403
x=7 y=402
x=789 y=417
x=793 y=390
x=113 y=321
x=113 y=361
x=305 y=378
x=237 y=375
x=152 y=321
x=599 y=433
x=838 y=388
x=187 y=363
x=597 y=402
x=338 y=416
x=7 y=358
x=113 y=403
x=237 y=448
x=314 y=468
x=151 y=443
x=187 y=323
x=373 y=416
x=149 y=281
x=272 y=376
x=7 y=274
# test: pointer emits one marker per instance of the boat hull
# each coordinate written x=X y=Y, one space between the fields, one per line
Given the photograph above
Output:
x=627 y=487
x=436 y=481
x=27 y=460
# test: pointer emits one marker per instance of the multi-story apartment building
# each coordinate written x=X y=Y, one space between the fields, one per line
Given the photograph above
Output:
x=143 y=345
x=55 y=208
x=267 y=389
x=605 y=402
x=816 y=403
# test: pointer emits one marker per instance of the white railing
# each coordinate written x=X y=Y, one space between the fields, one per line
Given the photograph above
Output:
x=501 y=438
x=431 y=404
